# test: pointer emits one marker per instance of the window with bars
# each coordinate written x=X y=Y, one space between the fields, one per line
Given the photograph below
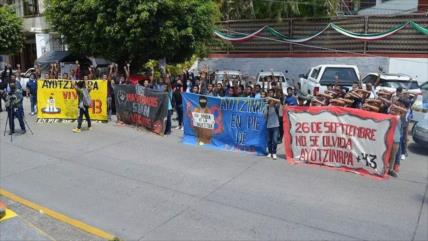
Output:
x=31 y=7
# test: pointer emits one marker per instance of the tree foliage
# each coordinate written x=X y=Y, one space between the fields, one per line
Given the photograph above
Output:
x=135 y=30
x=276 y=9
x=11 y=38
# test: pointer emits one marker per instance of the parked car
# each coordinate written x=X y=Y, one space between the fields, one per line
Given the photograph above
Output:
x=232 y=75
x=278 y=75
x=420 y=132
x=319 y=77
x=25 y=77
x=390 y=82
x=420 y=107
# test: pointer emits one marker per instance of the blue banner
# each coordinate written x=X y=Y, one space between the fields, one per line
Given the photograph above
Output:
x=235 y=124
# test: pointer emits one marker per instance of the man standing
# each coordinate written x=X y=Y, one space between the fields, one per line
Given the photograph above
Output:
x=32 y=92
x=84 y=103
x=272 y=117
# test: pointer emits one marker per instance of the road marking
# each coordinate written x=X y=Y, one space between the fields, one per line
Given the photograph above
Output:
x=9 y=214
x=58 y=216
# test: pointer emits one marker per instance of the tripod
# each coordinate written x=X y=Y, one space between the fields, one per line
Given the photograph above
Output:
x=10 y=111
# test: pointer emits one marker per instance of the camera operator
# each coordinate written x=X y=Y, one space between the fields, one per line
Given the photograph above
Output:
x=4 y=80
x=13 y=98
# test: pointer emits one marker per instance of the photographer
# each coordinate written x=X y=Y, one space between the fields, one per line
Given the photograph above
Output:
x=4 y=80
x=13 y=98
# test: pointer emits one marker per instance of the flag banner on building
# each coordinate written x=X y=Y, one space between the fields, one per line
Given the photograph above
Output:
x=139 y=106
x=347 y=139
x=243 y=37
x=57 y=99
x=235 y=124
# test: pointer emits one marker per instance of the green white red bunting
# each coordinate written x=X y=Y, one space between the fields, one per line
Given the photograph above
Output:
x=361 y=36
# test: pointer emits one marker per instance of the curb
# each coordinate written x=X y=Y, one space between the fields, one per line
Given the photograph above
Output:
x=58 y=216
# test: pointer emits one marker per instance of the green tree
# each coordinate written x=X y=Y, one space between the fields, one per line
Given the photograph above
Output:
x=135 y=30
x=11 y=37
x=276 y=9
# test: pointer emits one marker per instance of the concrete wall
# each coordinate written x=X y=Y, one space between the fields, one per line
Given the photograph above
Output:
x=295 y=66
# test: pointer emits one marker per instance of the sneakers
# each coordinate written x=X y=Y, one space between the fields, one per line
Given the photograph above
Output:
x=403 y=157
x=392 y=173
x=178 y=128
x=90 y=128
x=182 y=128
x=76 y=130
x=269 y=155
x=23 y=132
x=274 y=156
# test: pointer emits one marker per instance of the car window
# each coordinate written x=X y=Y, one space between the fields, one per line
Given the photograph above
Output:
x=370 y=79
x=315 y=73
x=424 y=87
x=411 y=85
x=347 y=76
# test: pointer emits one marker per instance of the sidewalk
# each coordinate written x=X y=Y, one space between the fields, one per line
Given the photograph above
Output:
x=22 y=223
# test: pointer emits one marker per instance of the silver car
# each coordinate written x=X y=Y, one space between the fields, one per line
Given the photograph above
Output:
x=420 y=132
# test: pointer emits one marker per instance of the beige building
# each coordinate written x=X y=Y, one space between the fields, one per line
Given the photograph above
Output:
x=38 y=38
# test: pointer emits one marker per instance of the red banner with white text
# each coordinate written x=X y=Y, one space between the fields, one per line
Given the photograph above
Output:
x=343 y=138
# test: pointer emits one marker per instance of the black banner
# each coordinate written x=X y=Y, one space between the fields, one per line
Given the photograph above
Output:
x=139 y=106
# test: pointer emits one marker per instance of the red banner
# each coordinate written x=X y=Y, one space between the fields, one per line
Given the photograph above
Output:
x=343 y=138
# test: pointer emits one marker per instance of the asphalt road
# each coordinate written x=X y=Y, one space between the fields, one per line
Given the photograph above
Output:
x=140 y=186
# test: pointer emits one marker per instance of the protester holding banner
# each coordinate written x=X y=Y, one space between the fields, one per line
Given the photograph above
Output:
x=84 y=103
x=394 y=161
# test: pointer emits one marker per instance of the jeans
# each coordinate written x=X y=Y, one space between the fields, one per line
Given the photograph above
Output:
x=33 y=102
x=83 y=111
x=272 y=139
x=281 y=130
x=179 y=110
x=404 y=139
x=109 y=107
x=15 y=113
x=168 y=123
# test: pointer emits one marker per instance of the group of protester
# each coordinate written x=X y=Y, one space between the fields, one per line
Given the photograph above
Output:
x=398 y=103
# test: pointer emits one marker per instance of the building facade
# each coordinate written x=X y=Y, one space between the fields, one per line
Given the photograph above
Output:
x=380 y=7
x=38 y=38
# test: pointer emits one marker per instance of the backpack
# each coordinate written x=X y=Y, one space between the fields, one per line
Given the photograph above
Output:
x=86 y=98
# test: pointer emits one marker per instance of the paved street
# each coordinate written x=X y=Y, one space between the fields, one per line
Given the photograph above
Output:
x=139 y=186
